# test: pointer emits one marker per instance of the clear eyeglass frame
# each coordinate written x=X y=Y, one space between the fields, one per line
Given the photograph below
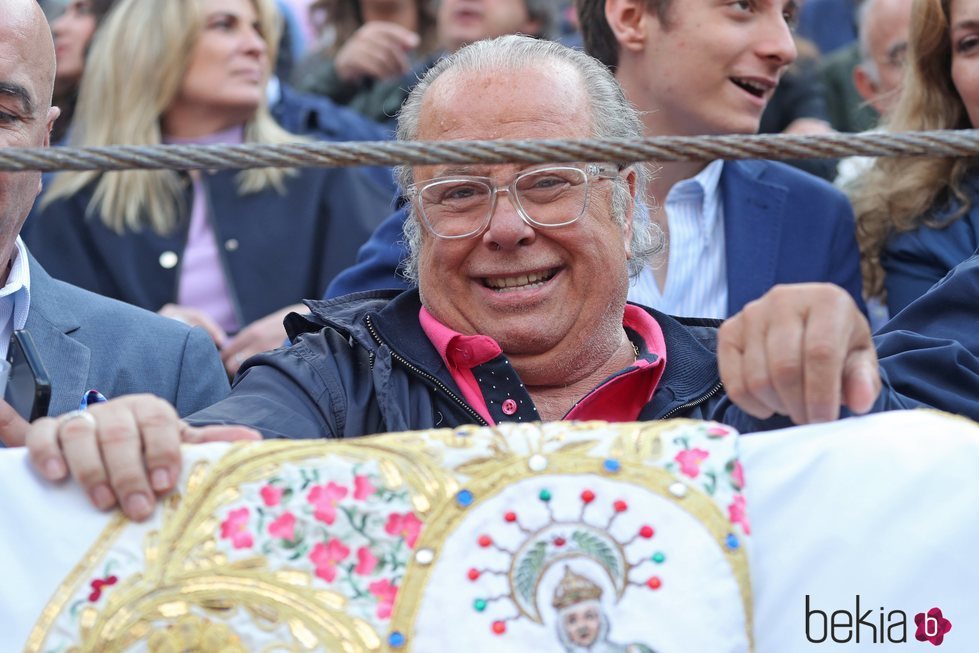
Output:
x=591 y=171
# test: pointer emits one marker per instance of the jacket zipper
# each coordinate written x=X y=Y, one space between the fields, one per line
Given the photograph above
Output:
x=690 y=404
x=425 y=375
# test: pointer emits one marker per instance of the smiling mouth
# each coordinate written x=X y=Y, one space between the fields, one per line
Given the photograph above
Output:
x=520 y=282
x=757 y=89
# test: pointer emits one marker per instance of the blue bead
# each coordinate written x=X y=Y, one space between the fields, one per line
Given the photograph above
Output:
x=732 y=541
x=464 y=498
x=612 y=465
x=396 y=640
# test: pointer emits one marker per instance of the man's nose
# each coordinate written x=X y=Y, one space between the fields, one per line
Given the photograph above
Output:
x=776 y=42
x=507 y=229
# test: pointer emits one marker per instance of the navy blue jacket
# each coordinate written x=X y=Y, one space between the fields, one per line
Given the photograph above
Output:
x=916 y=260
x=276 y=249
x=781 y=225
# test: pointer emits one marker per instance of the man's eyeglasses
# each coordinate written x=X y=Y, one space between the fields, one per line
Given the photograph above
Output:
x=461 y=207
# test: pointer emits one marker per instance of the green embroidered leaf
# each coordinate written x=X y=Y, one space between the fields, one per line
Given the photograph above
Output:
x=529 y=570
x=599 y=549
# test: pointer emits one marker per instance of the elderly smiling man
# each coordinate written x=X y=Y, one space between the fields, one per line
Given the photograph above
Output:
x=520 y=311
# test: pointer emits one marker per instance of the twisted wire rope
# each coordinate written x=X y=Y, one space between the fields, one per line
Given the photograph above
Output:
x=942 y=143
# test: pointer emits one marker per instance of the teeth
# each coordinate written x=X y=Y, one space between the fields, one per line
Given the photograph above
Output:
x=754 y=87
x=505 y=283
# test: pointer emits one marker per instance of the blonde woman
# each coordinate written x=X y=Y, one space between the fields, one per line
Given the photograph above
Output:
x=918 y=218
x=230 y=251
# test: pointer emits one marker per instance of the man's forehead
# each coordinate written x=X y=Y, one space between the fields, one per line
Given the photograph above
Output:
x=26 y=51
x=544 y=102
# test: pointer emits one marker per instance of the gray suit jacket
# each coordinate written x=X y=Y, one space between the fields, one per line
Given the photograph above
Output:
x=89 y=342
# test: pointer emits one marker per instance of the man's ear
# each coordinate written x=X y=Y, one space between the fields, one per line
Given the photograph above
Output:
x=53 y=114
x=629 y=21
x=630 y=211
x=865 y=85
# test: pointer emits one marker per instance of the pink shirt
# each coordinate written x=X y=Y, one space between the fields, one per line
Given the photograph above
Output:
x=202 y=284
x=619 y=398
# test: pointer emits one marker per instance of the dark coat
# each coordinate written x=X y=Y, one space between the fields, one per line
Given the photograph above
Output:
x=362 y=364
x=916 y=260
x=275 y=248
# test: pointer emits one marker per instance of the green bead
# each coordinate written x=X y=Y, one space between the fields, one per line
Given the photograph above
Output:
x=545 y=495
x=479 y=604
x=658 y=558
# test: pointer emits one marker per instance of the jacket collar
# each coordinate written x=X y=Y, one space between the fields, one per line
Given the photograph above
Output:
x=691 y=368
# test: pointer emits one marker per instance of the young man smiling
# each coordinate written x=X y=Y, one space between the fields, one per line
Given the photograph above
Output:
x=736 y=228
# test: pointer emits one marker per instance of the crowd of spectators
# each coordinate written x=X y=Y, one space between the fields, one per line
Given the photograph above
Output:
x=235 y=253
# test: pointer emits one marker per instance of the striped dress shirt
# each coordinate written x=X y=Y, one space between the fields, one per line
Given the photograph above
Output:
x=696 y=282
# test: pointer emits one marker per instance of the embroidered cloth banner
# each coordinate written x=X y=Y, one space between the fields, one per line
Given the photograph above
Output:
x=562 y=537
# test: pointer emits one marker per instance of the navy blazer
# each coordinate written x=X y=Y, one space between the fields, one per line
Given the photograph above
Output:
x=275 y=249
x=781 y=225
x=87 y=342
x=916 y=260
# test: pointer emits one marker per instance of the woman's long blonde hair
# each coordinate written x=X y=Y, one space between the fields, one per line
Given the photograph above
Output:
x=898 y=194
x=134 y=72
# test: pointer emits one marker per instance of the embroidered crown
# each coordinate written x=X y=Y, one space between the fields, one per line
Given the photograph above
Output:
x=574 y=589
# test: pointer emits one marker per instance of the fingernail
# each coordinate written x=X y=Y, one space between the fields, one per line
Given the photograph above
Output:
x=160 y=480
x=138 y=506
x=102 y=497
x=54 y=469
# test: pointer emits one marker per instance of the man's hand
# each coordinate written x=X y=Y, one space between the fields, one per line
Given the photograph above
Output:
x=377 y=50
x=261 y=335
x=126 y=450
x=801 y=350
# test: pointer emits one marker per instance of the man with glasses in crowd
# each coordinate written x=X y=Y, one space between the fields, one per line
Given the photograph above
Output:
x=520 y=311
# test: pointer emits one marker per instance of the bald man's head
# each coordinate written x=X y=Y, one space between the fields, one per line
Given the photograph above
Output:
x=25 y=28
x=26 y=115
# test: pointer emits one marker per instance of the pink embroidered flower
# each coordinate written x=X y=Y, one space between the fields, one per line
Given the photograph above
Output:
x=738 y=514
x=363 y=487
x=326 y=556
x=325 y=499
x=737 y=475
x=365 y=561
x=271 y=495
x=718 y=431
x=284 y=527
x=407 y=526
x=235 y=528
x=386 y=593
x=689 y=460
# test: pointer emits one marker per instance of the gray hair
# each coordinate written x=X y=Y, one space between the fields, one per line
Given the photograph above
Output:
x=611 y=113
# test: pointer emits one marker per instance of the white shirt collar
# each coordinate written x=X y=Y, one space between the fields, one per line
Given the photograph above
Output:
x=18 y=286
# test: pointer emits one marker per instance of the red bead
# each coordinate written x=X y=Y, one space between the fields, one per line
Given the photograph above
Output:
x=510 y=517
x=111 y=580
x=620 y=506
x=499 y=627
x=559 y=541
x=97 y=584
x=654 y=583
x=94 y=596
x=587 y=496
x=646 y=531
x=485 y=541
x=473 y=574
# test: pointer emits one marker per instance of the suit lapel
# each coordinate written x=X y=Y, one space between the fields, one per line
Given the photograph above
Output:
x=753 y=217
x=51 y=322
